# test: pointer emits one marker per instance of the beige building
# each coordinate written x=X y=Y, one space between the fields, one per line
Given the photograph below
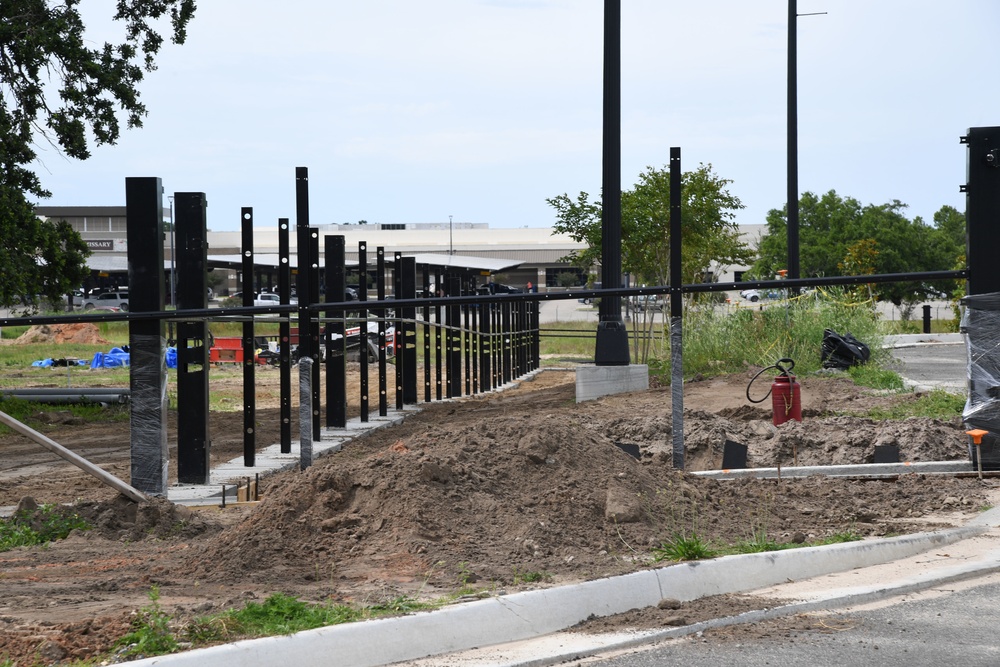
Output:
x=537 y=254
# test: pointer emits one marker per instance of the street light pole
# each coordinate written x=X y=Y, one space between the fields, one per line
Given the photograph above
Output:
x=451 y=233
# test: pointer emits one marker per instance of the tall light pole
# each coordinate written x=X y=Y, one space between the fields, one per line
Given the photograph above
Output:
x=793 y=142
x=451 y=236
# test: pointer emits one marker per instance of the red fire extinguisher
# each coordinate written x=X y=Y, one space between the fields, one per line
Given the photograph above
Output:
x=785 y=393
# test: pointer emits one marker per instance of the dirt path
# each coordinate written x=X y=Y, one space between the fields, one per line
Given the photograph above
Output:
x=491 y=491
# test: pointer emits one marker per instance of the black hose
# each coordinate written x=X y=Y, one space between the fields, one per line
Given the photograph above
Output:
x=781 y=371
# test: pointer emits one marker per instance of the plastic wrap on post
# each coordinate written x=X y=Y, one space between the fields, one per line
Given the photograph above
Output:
x=305 y=413
x=677 y=392
x=981 y=326
x=150 y=457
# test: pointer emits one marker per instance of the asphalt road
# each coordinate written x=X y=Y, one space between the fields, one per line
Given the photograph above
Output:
x=958 y=624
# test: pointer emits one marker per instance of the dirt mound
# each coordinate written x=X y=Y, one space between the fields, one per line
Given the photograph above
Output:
x=502 y=494
x=83 y=333
x=123 y=519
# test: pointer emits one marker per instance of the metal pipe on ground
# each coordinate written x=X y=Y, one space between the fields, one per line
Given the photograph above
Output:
x=70 y=394
x=72 y=457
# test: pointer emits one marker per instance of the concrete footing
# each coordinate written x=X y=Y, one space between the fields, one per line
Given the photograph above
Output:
x=595 y=381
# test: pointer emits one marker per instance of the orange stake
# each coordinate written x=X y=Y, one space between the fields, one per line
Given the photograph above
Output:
x=977 y=439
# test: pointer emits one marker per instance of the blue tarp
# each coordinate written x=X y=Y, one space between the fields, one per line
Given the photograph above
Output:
x=114 y=358
x=46 y=363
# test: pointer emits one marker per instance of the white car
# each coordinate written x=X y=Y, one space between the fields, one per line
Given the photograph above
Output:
x=107 y=300
x=270 y=299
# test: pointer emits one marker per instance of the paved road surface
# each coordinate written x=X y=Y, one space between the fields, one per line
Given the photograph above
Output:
x=956 y=624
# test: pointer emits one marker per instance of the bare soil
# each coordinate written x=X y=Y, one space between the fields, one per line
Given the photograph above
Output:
x=500 y=492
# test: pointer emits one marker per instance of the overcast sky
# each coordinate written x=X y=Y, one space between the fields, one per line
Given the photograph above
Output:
x=408 y=111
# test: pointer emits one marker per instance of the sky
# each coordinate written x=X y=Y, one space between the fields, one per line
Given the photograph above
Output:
x=480 y=110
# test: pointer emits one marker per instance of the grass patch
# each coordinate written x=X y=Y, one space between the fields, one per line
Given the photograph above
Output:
x=150 y=634
x=936 y=404
x=41 y=526
x=719 y=341
x=29 y=412
x=282 y=614
x=683 y=547
x=567 y=339
x=875 y=377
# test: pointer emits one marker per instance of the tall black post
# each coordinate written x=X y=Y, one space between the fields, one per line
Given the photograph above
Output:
x=982 y=208
x=249 y=371
x=363 y=325
x=308 y=348
x=336 y=348
x=284 y=336
x=148 y=375
x=191 y=233
x=676 y=312
x=612 y=336
x=407 y=348
x=793 y=146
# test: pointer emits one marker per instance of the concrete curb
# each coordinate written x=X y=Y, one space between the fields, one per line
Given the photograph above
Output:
x=852 y=470
x=534 y=613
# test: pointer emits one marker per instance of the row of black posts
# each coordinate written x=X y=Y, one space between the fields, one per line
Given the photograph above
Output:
x=470 y=343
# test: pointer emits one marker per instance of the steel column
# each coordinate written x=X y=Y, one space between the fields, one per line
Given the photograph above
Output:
x=191 y=243
x=148 y=373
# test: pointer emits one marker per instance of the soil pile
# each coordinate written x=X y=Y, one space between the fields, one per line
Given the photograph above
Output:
x=83 y=333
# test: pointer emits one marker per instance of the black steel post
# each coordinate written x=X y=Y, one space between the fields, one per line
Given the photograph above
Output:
x=397 y=290
x=363 y=324
x=427 y=336
x=336 y=344
x=982 y=208
x=612 y=336
x=314 y=328
x=284 y=335
x=191 y=245
x=485 y=346
x=438 y=334
x=454 y=339
x=249 y=385
x=676 y=276
x=407 y=268
x=304 y=281
x=148 y=373
x=383 y=376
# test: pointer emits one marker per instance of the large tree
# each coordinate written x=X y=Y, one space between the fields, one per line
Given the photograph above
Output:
x=833 y=230
x=710 y=236
x=56 y=88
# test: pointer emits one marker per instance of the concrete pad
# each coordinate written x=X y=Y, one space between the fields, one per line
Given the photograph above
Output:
x=594 y=381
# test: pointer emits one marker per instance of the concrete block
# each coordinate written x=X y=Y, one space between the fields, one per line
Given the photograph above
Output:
x=595 y=381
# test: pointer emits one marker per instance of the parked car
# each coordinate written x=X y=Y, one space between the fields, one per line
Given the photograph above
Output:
x=589 y=300
x=106 y=300
x=651 y=301
x=754 y=295
x=498 y=288
x=271 y=299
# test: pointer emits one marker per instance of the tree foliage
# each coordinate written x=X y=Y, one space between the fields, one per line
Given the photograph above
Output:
x=55 y=87
x=836 y=232
x=709 y=237
x=39 y=258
